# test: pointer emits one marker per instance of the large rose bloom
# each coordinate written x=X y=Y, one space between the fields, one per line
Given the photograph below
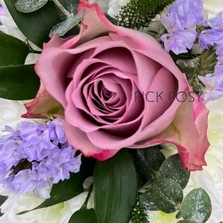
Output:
x=108 y=80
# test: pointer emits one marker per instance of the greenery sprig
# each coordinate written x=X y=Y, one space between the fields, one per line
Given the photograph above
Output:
x=202 y=65
x=139 y=13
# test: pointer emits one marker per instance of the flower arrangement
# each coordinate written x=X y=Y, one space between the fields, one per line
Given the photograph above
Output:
x=111 y=111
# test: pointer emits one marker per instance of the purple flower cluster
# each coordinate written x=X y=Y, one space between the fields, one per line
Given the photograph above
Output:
x=180 y=21
x=213 y=86
x=213 y=36
x=35 y=156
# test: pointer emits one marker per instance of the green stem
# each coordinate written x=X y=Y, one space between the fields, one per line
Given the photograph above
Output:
x=62 y=9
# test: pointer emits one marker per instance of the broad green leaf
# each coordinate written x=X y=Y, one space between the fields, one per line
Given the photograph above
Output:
x=84 y=216
x=196 y=206
x=115 y=186
x=167 y=194
x=174 y=169
x=148 y=161
x=65 y=26
x=18 y=82
x=147 y=201
x=27 y=6
x=37 y=25
x=12 y=50
x=67 y=189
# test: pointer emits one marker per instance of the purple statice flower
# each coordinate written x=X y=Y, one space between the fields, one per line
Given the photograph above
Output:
x=213 y=36
x=180 y=21
x=179 y=41
x=214 y=86
x=35 y=156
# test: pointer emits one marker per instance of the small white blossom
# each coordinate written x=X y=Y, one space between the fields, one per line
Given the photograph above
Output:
x=11 y=112
x=59 y=213
x=102 y=3
x=115 y=6
x=111 y=7
x=8 y=25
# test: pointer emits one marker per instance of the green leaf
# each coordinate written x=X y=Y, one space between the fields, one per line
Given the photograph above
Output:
x=65 y=26
x=18 y=82
x=115 y=186
x=167 y=194
x=67 y=189
x=196 y=206
x=174 y=169
x=27 y=6
x=147 y=201
x=37 y=25
x=12 y=50
x=207 y=62
x=84 y=216
x=148 y=161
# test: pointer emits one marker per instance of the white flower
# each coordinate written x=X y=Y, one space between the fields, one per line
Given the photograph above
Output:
x=115 y=6
x=213 y=7
x=8 y=25
x=210 y=178
x=112 y=7
x=11 y=112
x=59 y=213
x=102 y=3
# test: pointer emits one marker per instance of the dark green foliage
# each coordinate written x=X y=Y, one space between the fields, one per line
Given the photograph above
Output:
x=139 y=13
x=138 y=214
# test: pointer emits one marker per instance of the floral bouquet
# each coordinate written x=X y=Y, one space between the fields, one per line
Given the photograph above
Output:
x=111 y=111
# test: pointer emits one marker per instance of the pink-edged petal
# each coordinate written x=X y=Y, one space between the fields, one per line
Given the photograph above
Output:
x=43 y=106
x=53 y=73
x=94 y=17
x=80 y=141
x=105 y=154
x=188 y=133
